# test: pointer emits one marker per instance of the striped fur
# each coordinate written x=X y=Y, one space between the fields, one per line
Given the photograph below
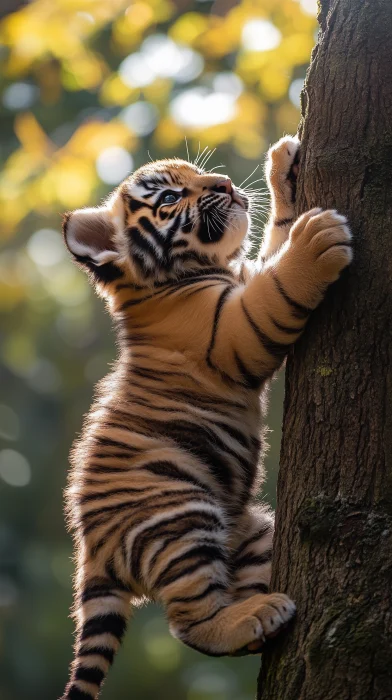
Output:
x=161 y=496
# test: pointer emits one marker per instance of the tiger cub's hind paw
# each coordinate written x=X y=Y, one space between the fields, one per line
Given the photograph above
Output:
x=273 y=611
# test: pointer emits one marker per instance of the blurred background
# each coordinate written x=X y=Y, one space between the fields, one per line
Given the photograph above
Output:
x=89 y=90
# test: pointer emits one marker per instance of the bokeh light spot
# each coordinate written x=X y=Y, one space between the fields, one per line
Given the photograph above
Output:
x=309 y=6
x=295 y=91
x=141 y=117
x=14 y=468
x=199 y=108
x=44 y=376
x=260 y=35
x=46 y=247
x=114 y=164
x=9 y=423
x=19 y=96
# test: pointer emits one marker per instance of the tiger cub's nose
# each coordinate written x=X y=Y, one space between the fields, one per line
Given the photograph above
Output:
x=224 y=185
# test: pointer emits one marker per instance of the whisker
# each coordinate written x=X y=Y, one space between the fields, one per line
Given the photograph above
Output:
x=187 y=149
x=211 y=172
x=252 y=173
x=254 y=181
x=201 y=155
x=197 y=155
x=207 y=158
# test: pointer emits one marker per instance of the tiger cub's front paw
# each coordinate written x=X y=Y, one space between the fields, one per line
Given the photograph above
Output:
x=282 y=170
x=323 y=240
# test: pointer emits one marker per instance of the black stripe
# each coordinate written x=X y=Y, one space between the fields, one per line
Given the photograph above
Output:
x=201 y=289
x=170 y=470
x=298 y=310
x=206 y=273
x=105 y=652
x=153 y=501
x=119 y=583
x=111 y=623
x=204 y=619
x=176 y=525
x=250 y=380
x=141 y=264
x=259 y=587
x=153 y=373
x=234 y=433
x=218 y=311
x=253 y=559
x=200 y=442
x=188 y=223
x=102 y=590
x=189 y=396
x=73 y=693
x=209 y=538
x=89 y=675
x=278 y=350
x=168 y=289
x=108 y=442
x=129 y=285
x=174 y=228
x=108 y=493
x=135 y=205
x=135 y=237
x=108 y=272
x=265 y=530
x=191 y=569
x=148 y=226
x=207 y=552
x=194 y=598
x=199 y=258
x=98 y=469
x=283 y=222
x=286 y=329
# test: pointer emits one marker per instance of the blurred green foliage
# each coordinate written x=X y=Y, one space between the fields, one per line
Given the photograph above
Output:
x=89 y=90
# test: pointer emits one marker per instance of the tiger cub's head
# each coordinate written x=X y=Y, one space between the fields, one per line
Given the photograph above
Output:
x=165 y=219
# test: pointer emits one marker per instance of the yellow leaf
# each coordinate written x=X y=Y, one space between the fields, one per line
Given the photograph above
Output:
x=93 y=137
x=249 y=144
x=296 y=49
x=168 y=135
x=30 y=134
x=73 y=180
x=115 y=92
x=158 y=91
x=274 y=82
x=287 y=118
x=189 y=27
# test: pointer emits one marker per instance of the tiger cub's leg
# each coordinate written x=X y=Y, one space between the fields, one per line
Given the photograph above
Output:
x=101 y=610
x=281 y=171
x=191 y=576
x=251 y=559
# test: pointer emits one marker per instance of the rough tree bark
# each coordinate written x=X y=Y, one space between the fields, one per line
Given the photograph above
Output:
x=333 y=547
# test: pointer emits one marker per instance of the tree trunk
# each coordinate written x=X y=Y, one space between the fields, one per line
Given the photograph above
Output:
x=333 y=545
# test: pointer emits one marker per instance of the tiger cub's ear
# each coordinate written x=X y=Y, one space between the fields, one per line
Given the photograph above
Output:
x=90 y=236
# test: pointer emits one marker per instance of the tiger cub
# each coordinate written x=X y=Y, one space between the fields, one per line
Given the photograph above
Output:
x=161 y=496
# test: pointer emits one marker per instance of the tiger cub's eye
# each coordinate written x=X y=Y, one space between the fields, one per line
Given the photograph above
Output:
x=170 y=197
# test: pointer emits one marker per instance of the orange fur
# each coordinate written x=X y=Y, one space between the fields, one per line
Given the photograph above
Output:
x=161 y=492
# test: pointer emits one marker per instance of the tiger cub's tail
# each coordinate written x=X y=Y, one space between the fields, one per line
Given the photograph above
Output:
x=102 y=612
